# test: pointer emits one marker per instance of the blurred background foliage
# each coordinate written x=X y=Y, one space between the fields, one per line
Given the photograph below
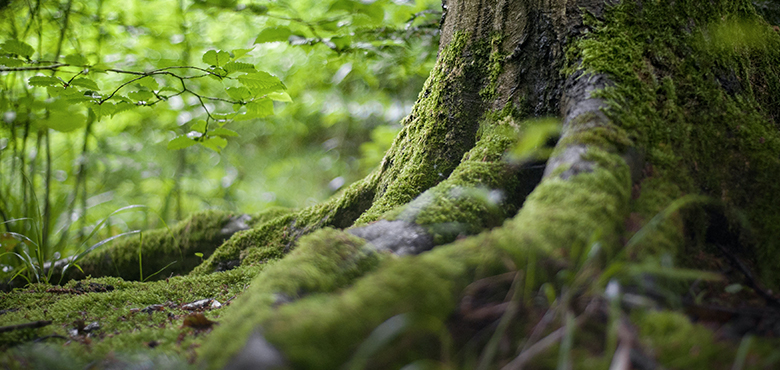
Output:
x=353 y=69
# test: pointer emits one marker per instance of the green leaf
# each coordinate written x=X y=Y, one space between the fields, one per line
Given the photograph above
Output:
x=65 y=122
x=533 y=139
x=273 y=34
x=214 y=143
x=261 y=83
x=10 y=62
x=138 y=96
x=347 y=5
x=121 y=107
x=233 y=67
x=64 y=117
x=76 y=60
x=102 y=110
x=72 y=96
x=181 y=142
x=240 y=53
x=375 y=13
x=149 y=83
x=260 y=108
x=86 y=83
x=341 y=42
x=55 y=91
x=222 y=132
x=216 y=58
x=17 y=47
x=239 y=93
x=45 y=81
x=282 y=96
x=199 y=126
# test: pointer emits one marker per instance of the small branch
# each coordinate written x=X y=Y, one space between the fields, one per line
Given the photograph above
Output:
x=27 y=325
x=33 y=68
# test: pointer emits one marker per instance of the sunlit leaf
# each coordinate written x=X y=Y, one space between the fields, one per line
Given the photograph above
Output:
x=233 y=67
x=181 y=142
x=261 y=83
x=10 y=62
x=145 y=96
x=73 y=96
x=375 y=14
x=121 y=107
x=86 y=83
x=341 y=42
x=238 y=93
x=44 y=81
x=102 y=110
x=76 y=60
x=534 y=139
x=240 y=53
x=216 y=58
x=282 y=96
x=273 y=34
x=260 y=108
x=215 y=143
x=65 y=119
x=149 y=83
x=199 y=126
x=347 y=5
x=17 y=47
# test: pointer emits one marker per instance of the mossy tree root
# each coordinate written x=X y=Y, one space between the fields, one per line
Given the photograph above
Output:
x=162 y=251
x=585 y=197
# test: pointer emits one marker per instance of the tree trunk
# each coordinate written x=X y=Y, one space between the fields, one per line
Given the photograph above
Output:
x=658 y=100
x=452 y=255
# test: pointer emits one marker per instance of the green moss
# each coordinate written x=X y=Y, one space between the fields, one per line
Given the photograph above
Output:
x=325 y=261
x=268 y=215
x=655 y=195
x=705 y=105
x=124 y=329
x=677 y=343
x=321 y=331
x=154 y=250
x=495 y=68
x=568 y=213
x=440 y=129
x=271 y=239
x=480 y=193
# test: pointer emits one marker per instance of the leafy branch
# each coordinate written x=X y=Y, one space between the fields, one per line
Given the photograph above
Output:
x=253 y=99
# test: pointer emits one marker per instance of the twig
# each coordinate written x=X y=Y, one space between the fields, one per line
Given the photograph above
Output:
x=27 y=325
x=33 y=68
